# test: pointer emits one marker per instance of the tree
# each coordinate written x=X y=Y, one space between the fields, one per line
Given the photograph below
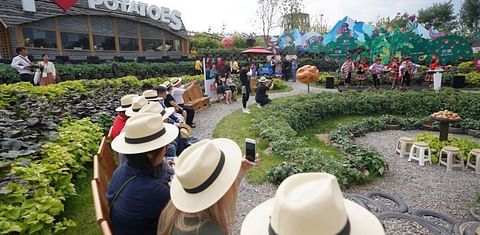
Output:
x=399 y=21
x=441 y=16
x=470 y=14
x=291 y=14
x=319 y=25
x=267 y=13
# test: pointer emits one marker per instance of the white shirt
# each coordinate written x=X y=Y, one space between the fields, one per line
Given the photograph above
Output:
x=50 y=68
x=177 y=94
x=21 y=64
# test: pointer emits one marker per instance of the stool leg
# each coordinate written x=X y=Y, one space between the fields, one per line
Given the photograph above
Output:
x=462 y=161
x=477 y=165
x=403 y=149
x=412 y=152
x=397 y=149
x=430 y=156
x=421 y=157
x=449 y=162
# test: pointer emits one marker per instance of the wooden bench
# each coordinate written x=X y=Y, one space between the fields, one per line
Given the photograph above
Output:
x=101 y=208
x=193 y=96
x=106 y=157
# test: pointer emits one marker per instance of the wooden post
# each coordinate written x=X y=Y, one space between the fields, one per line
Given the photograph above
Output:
x=444 y=130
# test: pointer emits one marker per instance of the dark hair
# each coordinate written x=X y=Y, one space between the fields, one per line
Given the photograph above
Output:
x=246 y=65
x=140 y=161
x=161 y=89
x=19 y=49
x=147 y=86
x=43 y=55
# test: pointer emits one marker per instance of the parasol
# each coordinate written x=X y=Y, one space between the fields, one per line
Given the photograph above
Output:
x=257 y=51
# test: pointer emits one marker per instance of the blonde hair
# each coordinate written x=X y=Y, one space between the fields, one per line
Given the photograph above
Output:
x=221 y=213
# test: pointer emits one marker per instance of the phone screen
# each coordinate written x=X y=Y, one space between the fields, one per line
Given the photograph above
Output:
x=250 y=151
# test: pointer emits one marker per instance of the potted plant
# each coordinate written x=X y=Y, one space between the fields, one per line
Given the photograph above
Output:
x=428 y=125
x=391 y=122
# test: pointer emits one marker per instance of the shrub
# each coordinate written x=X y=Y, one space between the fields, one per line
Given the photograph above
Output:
x=279 y=84
x=466 y=67
x=464 y=144
x=280 y=121
x=472 y=79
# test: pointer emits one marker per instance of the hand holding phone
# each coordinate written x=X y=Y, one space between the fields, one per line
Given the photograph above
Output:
x=250 y=149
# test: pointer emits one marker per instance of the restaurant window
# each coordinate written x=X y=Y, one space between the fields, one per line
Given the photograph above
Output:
x=152 y=45
x=39 y=38
x=178 y=45
x=128 y=44
x=75 y=41
x=169 y=45
x=103 y=43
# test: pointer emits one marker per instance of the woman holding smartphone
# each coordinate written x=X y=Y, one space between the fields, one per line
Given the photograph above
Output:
x=204 y=189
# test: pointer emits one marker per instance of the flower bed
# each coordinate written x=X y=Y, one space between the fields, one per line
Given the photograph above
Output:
x=464 y=144
x=279 y=123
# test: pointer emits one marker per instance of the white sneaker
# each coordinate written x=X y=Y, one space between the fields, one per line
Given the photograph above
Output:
x=259 y=106
x=245 y=111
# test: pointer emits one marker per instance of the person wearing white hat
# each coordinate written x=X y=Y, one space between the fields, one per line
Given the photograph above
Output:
x=151 y=95
x=172 y=101
x=136 y=197
x=137 y=104
x=310 y=204
x=121 y=118
x=204 y=189
x=261 y=96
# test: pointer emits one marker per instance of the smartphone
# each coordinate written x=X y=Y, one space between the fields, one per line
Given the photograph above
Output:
x=250 y=147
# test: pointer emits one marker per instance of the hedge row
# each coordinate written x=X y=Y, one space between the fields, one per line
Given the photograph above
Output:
x=284 y=118
x=108 y=70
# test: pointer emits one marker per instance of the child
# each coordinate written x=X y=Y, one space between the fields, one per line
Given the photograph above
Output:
x=361 y=72
x=393 y=67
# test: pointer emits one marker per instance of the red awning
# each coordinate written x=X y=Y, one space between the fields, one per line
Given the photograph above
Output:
x=257 y=51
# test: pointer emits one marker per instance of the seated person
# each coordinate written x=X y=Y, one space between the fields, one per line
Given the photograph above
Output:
x=136 y=197
x=121 y=118
x=261 y=96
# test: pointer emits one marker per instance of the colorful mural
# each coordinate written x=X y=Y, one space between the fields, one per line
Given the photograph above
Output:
x=361 y=40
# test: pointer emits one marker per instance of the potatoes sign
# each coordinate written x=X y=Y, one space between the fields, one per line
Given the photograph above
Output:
x=162 y=14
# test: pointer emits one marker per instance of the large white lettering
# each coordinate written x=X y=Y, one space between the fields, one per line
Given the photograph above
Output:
x=162 y=14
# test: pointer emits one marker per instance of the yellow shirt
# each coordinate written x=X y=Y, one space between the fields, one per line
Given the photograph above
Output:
x=198 y=65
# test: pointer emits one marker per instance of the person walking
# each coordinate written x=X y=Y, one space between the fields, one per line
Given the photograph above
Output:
x=244 y=79
x=48 y=74
x=198 y=66
x=23 y=65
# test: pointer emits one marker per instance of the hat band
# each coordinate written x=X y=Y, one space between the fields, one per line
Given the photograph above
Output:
x=163 y=112
x=151 y=97
x=210 y=179
x=146 y=138
x=126 y=106
x=345 y=230
x=136 y=110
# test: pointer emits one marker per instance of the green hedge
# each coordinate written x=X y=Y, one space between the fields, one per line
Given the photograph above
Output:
x=106 y=70
x=280 y=122
x=35 y=196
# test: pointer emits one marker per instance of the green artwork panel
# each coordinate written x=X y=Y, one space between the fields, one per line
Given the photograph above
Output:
x=451 y=48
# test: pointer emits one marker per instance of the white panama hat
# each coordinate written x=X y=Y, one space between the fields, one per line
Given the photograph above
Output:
x=125 y=103
x=310 y=204
x=156 y=107
x=143 y=133
x=204 y=172
x=176 y=81
x=137 y=104
x=151 y=95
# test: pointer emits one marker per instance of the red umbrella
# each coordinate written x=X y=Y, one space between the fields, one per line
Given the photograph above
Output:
x=257 y=51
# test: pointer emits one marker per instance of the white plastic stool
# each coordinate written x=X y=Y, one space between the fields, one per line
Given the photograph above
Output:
x=475 y=153
x=454 y=158
x=417 y=153
x=404 y=145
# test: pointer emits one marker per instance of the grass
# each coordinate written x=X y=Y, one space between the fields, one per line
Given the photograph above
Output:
x=80 y=208
x=236 y=126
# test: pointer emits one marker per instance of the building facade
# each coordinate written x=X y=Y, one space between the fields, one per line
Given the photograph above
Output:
x=103 y=28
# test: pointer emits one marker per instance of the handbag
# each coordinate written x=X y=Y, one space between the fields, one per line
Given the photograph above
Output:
x=37 y=76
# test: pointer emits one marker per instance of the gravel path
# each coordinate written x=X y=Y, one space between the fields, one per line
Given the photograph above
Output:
x=429 y=187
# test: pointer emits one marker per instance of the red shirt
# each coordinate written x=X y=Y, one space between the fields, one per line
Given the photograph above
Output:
x=118 y=125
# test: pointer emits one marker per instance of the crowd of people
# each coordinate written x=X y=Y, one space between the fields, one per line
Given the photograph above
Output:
x=42 y=73
x=397 y=72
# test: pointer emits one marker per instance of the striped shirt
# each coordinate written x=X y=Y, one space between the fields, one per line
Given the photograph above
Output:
x=377 y=68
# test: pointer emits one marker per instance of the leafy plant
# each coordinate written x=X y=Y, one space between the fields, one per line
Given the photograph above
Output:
x=464 y=144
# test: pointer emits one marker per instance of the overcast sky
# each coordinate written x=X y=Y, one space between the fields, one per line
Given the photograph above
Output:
x=239 y=15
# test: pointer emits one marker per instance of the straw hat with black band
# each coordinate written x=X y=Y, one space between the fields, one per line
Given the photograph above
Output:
x=310 y=204
x=151 y=95
x=263 y=80
x=167 y=84
x=137 y=104
x=156 y=107
x=176 y=81
x=204 y=172
x=143 y=133
x=125 y=103
x=185 y=130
